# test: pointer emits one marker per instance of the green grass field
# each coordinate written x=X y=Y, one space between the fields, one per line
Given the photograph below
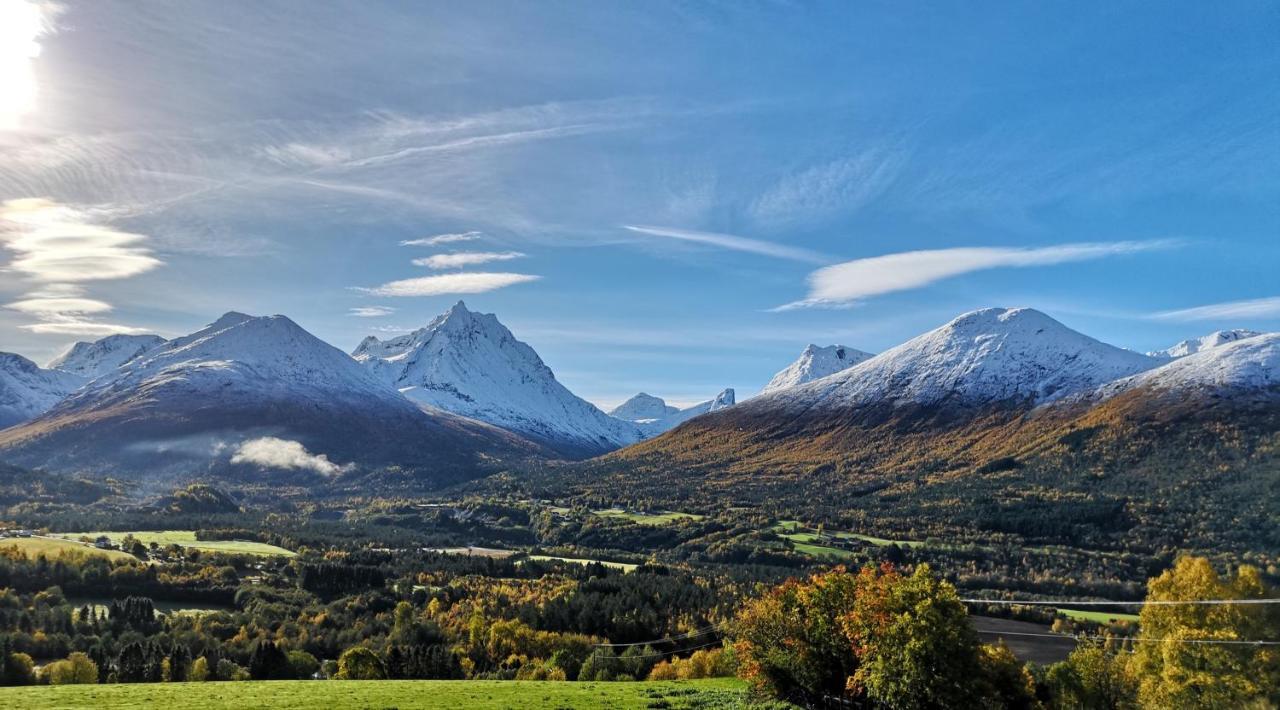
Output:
x=187 y=538
x=51 y=547
x=624 y=566
x=796 y=532
x=1101 y=617
x=401 y=694
x=666 y=517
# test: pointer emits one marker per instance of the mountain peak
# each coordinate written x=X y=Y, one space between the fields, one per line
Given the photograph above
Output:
x=103 y=356
x=1215 y=339
x=470 y=364
x=814 y=363
x=230 y=319
x=981 y=357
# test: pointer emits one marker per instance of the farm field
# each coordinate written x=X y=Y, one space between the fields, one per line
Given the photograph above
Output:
x=1102 y=617
x=624 y=566
x=795 y=531
x=102 y=605
x=402 y=694
x=52 y=547
x=475 y=551
x=662 y=518
x=187 y=538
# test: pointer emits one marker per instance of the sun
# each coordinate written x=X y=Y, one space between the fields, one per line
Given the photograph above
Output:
x=22 y=23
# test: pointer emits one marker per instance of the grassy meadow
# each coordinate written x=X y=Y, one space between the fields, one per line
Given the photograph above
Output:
x=186 y=538
x=53 y=547
x=402 y=694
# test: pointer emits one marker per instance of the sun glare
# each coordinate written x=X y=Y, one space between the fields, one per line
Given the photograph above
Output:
x=22 y=23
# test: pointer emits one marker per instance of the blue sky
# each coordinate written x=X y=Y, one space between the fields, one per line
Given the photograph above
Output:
x=669 y=197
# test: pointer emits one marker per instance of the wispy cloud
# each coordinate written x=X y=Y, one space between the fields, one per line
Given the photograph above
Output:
x=271 y=452
x=371 y=311
x=59 y=248
x=441 y=239
x=819 y=191
x=1254 y=308
x=450 y=283
x=732 y=242
x=841 y=285
x=462 y=259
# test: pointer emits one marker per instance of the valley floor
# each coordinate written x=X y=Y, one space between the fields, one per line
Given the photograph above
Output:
x=402 y=694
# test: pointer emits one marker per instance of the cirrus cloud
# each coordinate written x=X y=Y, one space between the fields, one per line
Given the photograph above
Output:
x=450 y=283
x=441 y=239
x=1253 y=308
x=371 y=311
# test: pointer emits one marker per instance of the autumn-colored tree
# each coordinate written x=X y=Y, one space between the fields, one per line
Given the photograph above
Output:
x=1095 y=676
x=360 y=663
x=1173 y=672
x=913 y=640
x=76 y=669
x=790 y=641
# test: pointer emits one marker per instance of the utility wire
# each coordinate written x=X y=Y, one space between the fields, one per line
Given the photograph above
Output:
x=1160 y=602
x=1137 y=639
x=680 y=637
x=672 y=653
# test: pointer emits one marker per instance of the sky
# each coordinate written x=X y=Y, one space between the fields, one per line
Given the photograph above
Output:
x=663 y=197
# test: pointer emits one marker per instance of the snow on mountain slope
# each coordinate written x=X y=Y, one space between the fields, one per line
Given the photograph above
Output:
x=984 y=357
x=815 y=363
x=470 y=364
x=193 y=401
x=654 y=416
x=1251 y=363
x=643 y=407
x=28 y=390
x=1212 y=340
x=93 y=360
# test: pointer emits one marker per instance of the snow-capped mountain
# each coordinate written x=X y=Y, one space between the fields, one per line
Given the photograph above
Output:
x=815 y=363
x=93 y=360
x=654 y=416
x=1212 y=340
x=643 y=407
x=1249 y=363
x=196 y=401
x=470 y=364
x=984 y=357
x=28 y=390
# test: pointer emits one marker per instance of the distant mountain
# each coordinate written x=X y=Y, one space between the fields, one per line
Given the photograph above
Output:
x=1248 y=365
x=247 y=394
x=1002 y=420
x=996 y=355
x=983 y=367
x=815 y=363
x=470 y=364
x=28 y=390
x=1212 y=340
x=654 y=416
x=93 y=360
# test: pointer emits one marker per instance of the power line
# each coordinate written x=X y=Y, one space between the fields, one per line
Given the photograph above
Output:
x=1135 y=639
x=672 y=653
x=680 y=637
x=1160 y=602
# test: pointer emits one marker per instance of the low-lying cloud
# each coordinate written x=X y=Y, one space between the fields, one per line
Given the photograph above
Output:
x=271 y=452
x=459 y=260
x=450 y=283
x=852 y=281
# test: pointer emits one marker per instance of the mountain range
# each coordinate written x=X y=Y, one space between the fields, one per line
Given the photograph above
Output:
x=250 y=395
x=653 y=415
